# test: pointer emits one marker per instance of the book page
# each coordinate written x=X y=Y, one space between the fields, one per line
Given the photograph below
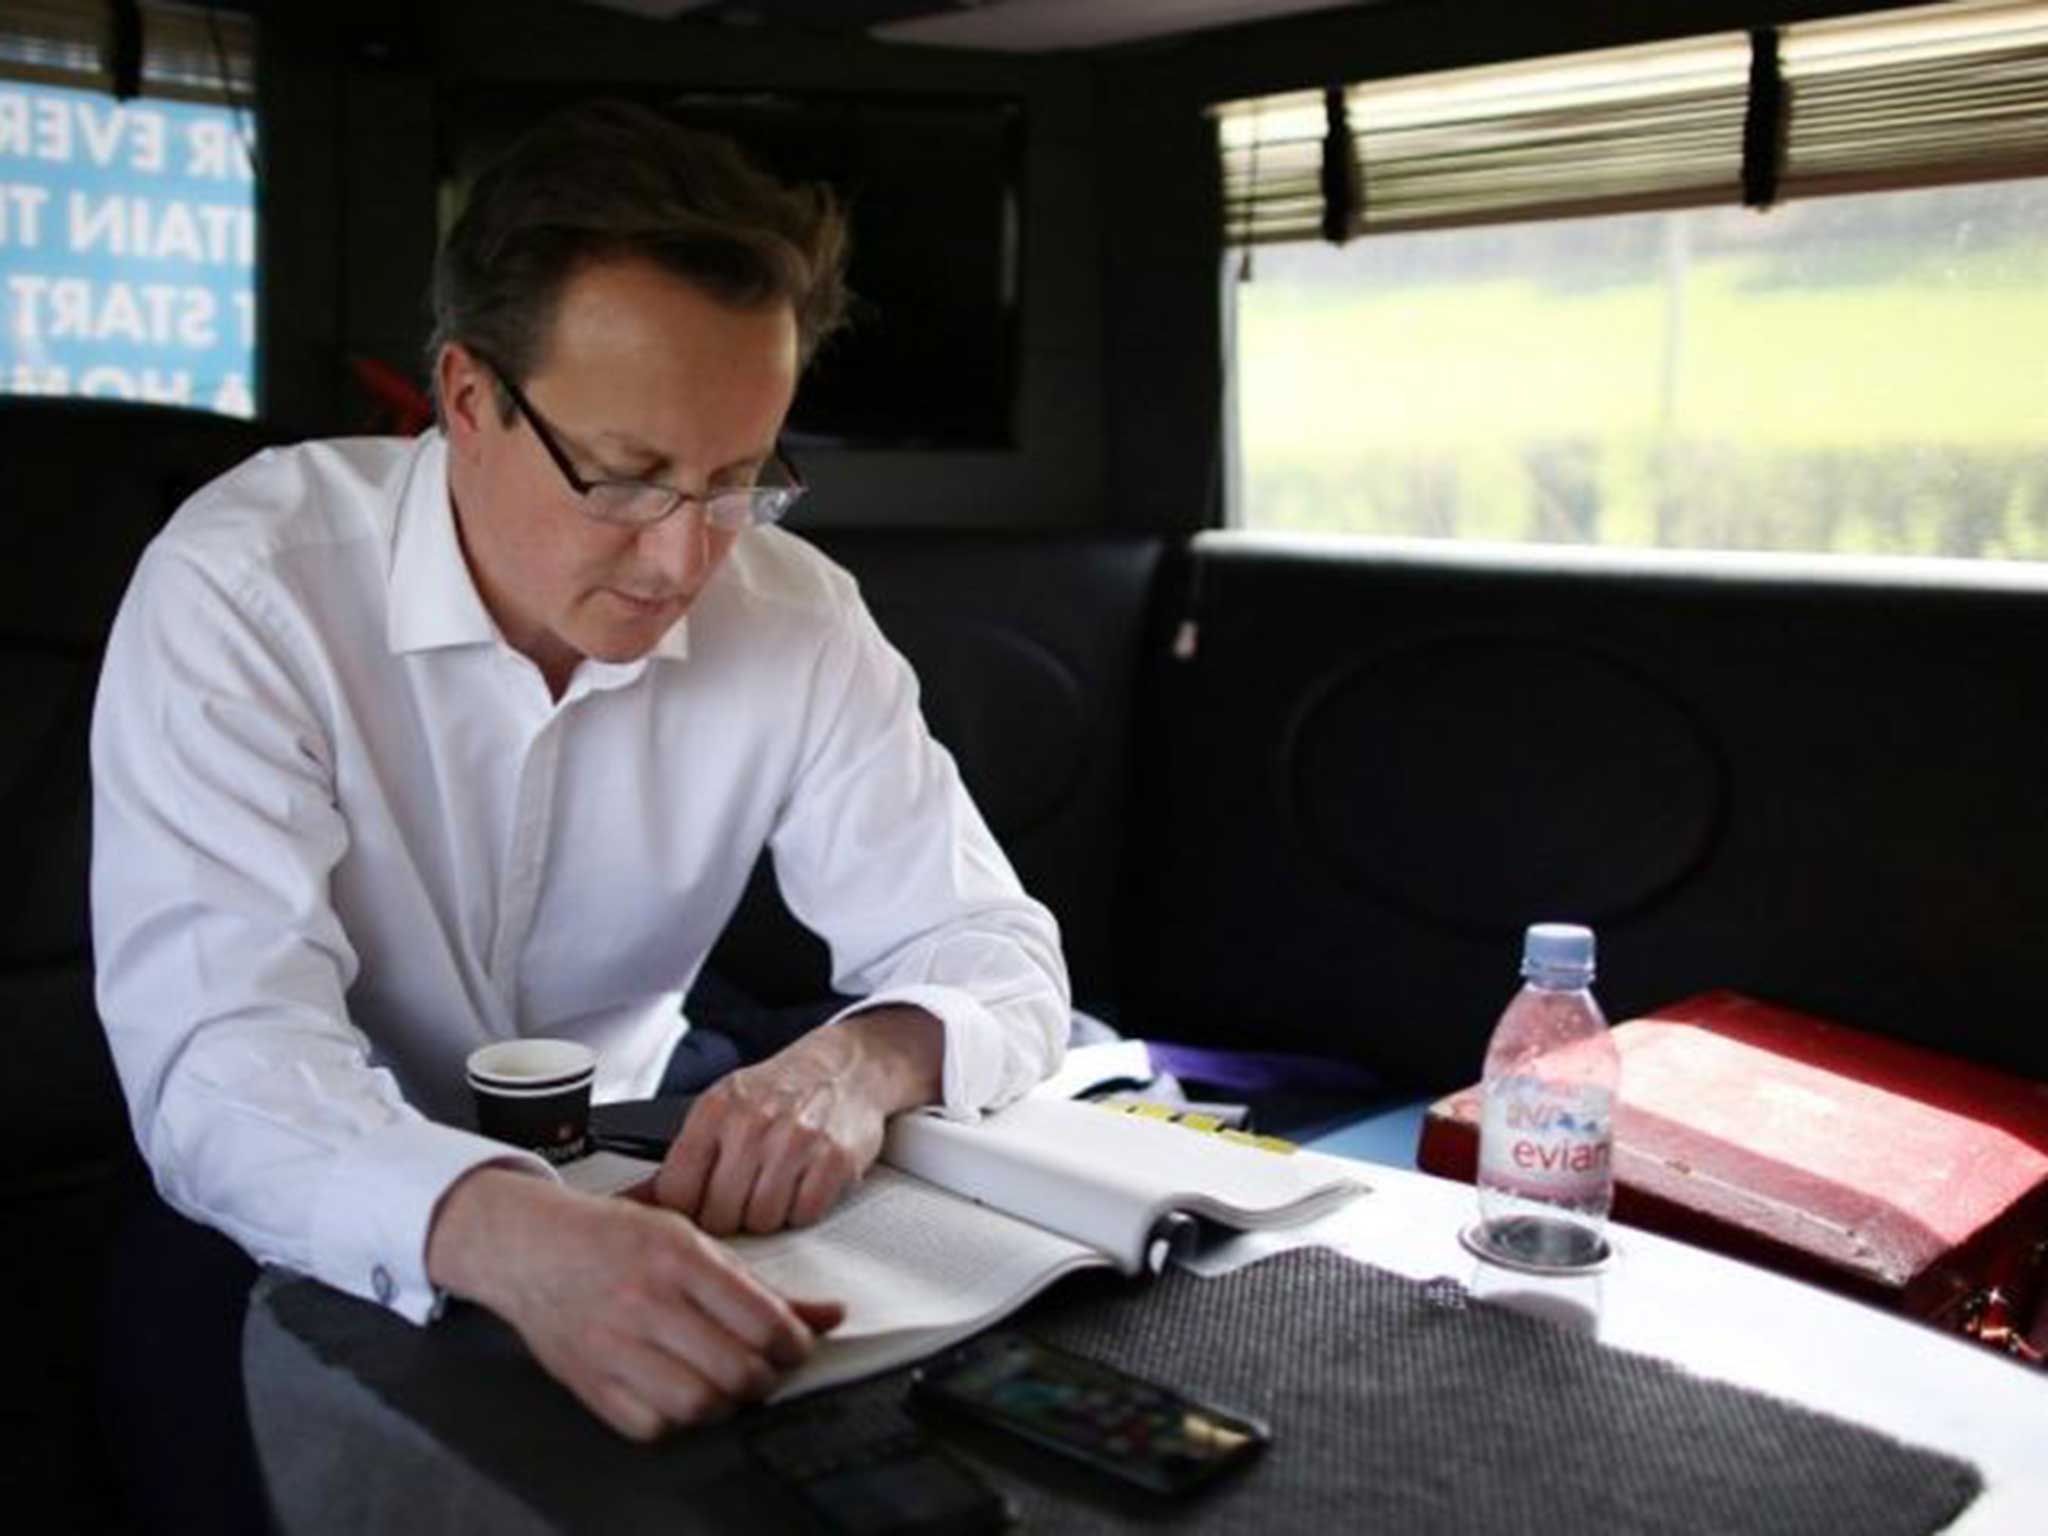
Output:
x=1103 y=1177
x=903 y=1255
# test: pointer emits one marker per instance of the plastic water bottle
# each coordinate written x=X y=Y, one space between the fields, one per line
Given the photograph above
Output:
x=1546 y=1124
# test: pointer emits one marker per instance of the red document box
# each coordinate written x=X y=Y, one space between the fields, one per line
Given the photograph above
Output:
x=1877 y=1168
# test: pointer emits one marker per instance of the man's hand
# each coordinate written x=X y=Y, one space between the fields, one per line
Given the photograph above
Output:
x=643 y=1317
x=775 y=1145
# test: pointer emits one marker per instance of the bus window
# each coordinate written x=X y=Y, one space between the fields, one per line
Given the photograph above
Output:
x=1857 y=374
x=1560 y=323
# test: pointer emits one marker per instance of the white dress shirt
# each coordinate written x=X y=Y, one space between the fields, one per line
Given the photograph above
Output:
x=343 y=836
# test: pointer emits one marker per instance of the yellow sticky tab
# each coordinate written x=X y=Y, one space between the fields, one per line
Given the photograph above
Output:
x=1201 y=1122
x=1263 y=1143
x=1153 y=1111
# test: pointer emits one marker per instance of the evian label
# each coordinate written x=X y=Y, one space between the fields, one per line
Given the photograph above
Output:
x=1548 y=1139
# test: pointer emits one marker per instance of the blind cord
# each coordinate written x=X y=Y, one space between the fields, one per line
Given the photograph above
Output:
x=124 y=49
x=1763 y=121
x=1339 y=169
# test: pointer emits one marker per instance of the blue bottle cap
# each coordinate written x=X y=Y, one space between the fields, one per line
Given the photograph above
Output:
x=1558 y=954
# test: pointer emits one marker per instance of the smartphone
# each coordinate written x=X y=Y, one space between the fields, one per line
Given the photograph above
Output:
x=873 y=1473
x=1137 y=1430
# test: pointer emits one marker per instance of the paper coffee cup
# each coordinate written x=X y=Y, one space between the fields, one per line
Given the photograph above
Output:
x=535 y=1094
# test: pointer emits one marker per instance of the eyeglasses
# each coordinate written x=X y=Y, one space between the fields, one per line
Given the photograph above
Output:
x=640 y=503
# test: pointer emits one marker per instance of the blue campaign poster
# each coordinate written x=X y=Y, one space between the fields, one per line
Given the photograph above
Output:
x=127 y=249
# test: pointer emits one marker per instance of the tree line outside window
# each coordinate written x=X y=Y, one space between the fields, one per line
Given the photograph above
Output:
x=1857 y=374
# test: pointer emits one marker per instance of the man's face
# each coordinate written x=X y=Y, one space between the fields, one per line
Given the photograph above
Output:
x=645 y=377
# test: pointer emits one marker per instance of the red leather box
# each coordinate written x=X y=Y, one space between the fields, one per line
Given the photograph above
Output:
x=1881 y=1169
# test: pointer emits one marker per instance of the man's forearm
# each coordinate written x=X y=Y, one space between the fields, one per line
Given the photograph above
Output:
x=480 y=1222
x=896 y=1052
x=638 y=1313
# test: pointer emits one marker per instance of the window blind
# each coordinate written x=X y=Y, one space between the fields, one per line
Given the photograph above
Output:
x=189 y=52
x=1902 y=98
x=1912 y=98
x=1629 y=127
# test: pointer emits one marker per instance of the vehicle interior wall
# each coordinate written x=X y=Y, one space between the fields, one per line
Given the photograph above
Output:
x=1121 y=435
x=1863 y=842
x=1162 y=212
x=1858 y=763
x=362 y=110
x=1120 y=369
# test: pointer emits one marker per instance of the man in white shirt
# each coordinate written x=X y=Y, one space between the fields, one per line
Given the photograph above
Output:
x=405 y=747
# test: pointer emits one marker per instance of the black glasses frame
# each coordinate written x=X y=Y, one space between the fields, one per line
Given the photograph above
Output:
x=764 y=504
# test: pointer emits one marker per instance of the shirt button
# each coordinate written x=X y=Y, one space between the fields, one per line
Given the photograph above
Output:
x=382 y=1284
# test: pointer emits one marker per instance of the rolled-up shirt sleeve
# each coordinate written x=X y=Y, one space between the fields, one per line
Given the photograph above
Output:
x=222 y=969
x=881 y=851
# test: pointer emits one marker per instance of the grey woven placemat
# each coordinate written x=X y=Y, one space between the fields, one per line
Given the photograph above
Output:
x=1396 y=1405
x=1401 y=1405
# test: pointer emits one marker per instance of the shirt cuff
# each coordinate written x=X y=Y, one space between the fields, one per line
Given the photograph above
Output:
x=373 y=1215
x=971 y=1074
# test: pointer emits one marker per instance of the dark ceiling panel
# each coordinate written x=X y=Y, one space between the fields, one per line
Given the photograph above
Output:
x=835 y=15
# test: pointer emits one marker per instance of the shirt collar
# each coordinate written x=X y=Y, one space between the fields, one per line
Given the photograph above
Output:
x=434 y=600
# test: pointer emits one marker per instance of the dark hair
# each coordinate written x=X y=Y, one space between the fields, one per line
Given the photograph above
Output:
x=612 y=179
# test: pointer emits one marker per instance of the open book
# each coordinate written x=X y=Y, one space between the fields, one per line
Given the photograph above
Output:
x=959 y=1224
